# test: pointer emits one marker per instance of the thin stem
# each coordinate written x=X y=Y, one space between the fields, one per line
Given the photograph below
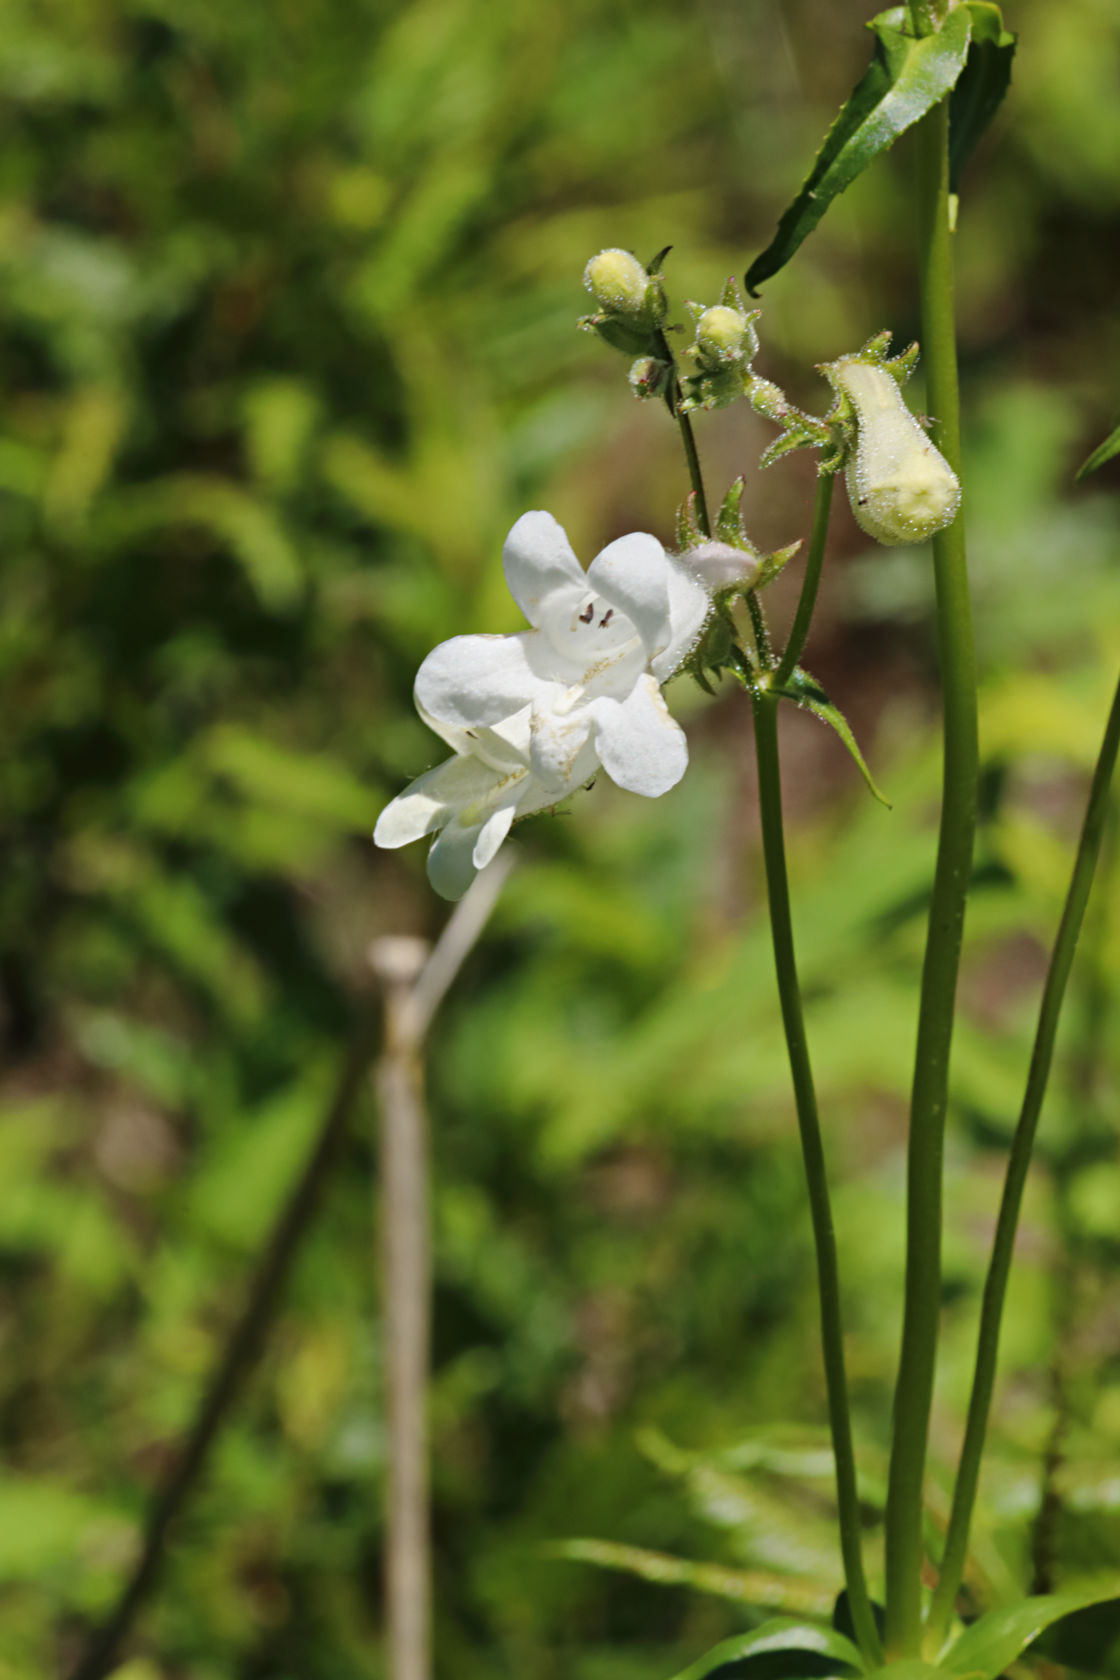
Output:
x=761 y=631
x=812 y=1149
x=929 y=1097
x=688 y=438
x=995 y=1287
x=803 y=617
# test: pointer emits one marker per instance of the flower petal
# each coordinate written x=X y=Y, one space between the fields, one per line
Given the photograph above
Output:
x=427 y=802
x=538 y=561
x=689 y=606
x=561 y=752
x=633 y=575
x=451 y=865
x=475 y=680
x=492 y=833
x=641 y=746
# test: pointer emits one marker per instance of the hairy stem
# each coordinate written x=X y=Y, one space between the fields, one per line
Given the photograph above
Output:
x=929 y=1097
x=803 y=617
x=812 y=1149
x=995 y=1287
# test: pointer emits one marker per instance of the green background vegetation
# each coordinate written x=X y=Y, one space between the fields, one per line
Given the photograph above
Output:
x=287 y=304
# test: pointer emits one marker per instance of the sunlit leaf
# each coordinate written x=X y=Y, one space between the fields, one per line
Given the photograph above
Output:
x=990 y=1644
x=742 y=1586
x=906 y=78
x=783 y=1649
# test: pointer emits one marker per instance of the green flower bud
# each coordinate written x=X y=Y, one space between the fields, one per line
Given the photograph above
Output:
x=649 y=377
x=900 y=486
x=724 y=337
x=620 y=286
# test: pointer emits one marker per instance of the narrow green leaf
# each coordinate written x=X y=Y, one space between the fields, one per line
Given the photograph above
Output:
x=786 y=1593
x=911 y=1669
x=986 y=1648
x=1103 y=452
x=984 y=80
x=782 y=1649
x=906 y=78
x=806 y=691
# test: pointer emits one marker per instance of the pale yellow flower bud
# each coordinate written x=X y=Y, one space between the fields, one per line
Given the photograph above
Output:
x=900 y=485
x=618 y=282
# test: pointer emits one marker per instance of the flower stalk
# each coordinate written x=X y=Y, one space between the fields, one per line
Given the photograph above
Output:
x=812 y=1148
x=999 y=1268
x=929 y=1098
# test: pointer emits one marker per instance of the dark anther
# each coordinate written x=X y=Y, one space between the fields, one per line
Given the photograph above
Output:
x=606 y=618
x=588 y=613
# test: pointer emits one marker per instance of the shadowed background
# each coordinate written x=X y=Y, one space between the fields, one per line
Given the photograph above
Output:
x=287 y=341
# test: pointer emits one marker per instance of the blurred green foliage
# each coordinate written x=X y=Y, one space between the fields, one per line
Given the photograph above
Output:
x=287 y=302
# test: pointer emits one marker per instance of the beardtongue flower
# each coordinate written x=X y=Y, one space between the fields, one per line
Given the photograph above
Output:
x=532 y=716
x=901 y=487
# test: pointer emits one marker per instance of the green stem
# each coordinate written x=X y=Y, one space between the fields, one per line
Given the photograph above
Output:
x=995 y=1287
x=929 y=1097
x=812 y=1149
x=803 y=617
x=761 y=631
x=688 y=438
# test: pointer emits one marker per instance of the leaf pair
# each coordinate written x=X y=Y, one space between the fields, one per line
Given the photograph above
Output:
x=969 y=56
x=790 y=1649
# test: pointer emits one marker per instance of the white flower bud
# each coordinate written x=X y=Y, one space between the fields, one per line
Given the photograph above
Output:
x=649 y=377
x=618 y=283
x=724 y=335
x=721 y=566
x=900 y=485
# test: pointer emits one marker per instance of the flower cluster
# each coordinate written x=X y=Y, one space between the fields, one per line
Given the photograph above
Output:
x=532 y=716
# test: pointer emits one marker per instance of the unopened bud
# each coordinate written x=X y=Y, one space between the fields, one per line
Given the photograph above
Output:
x=649 y=377
x=724 y=336
x=620 y=286
x=721 y=566
x=900 y=485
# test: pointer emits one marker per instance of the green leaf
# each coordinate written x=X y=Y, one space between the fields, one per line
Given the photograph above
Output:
x=911 y=1669
x=1088 y=1640
x=806 y=691
x=906 y=78
x=787 y=1593
x=782 y=1649
x=984 y=80
x=1103 y=452
x=986 y=1648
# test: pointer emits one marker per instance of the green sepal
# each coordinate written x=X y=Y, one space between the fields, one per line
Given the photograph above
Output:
x=1102 y=453
x=689 y=531
x=729 y=519
x=713 y=390
x=774 y=564
x=654 y=265
x=907 y=77
x=621 y=334
x=983 y=83
x=775 y=1649
x=805 y=691
x=991 y=1644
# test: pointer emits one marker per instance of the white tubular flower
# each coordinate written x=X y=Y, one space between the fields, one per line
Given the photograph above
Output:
x=533 y=715
x=901 y=487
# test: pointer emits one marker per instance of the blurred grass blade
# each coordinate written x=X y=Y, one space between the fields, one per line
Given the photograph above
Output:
x=743 y=1586
x=1102 y=453
x=906 y=78
x=983 y=83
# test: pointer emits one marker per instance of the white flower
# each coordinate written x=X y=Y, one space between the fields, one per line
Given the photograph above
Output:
x=532 y=716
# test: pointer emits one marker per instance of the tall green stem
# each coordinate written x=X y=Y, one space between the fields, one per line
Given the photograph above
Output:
x=688 y=438
x=929 y=1097
x=812 y=1149
x=802 y=618
x=995 y=1287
